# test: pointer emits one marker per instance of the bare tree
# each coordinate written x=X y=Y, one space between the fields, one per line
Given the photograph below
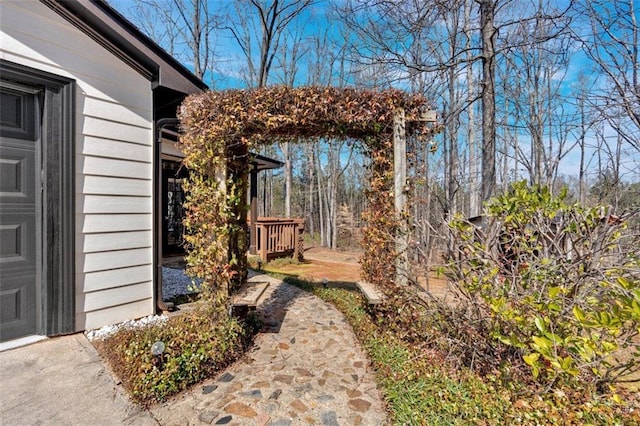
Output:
x=581 y=97
x=289 y=62
x=474 y=199
x=539 y=65
x=611 y=40
x=488 y=32
x=187 y=29
x=389 y=33
x=262 y=23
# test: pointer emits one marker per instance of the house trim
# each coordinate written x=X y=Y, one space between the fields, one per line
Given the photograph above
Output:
x=117 y=35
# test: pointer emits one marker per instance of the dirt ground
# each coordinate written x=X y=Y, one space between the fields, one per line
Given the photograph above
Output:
x=320 y=262
x=341 y=266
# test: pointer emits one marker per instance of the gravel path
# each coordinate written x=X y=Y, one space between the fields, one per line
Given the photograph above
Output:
x=305 y=368
x=176 y=283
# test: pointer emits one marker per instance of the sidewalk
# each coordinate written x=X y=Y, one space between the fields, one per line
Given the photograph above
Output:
x=62 y=381
x=305 y=368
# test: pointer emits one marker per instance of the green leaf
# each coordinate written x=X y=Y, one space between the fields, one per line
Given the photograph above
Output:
x=535 y=371
x=541 y=344
x=531 y=358
x=566 y=363
x=579 y=313
x=624 y=283
x=554 y=291
x=540 y=324
x=554 y=307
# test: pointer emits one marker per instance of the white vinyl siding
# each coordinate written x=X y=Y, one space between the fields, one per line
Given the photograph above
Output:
x=100 y=185
x=94 y=243
x=97 y=223
x=109 y=315
x=114 y=204
x=114 y=148
x=133 y=152
x=93 y=282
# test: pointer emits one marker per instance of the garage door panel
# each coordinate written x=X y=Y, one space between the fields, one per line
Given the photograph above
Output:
x=17 y=174
x=17 y=233
x=17 y=317
x=17 y=115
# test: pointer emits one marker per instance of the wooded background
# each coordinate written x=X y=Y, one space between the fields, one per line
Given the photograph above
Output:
x=540 y=90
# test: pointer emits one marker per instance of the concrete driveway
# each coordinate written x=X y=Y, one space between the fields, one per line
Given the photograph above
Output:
x=62 y=381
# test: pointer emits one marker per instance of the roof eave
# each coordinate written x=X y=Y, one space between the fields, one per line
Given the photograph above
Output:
x=120 y=37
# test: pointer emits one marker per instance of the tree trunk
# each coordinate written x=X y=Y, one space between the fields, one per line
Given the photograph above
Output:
x=474 y=202
x=488 y=31
x=311 y=215
x=321 y=205
x=581 y=179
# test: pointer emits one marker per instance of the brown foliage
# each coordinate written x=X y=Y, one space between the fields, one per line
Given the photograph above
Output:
x=269 y=114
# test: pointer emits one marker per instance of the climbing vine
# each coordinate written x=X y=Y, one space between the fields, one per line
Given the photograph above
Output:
x=219 y=129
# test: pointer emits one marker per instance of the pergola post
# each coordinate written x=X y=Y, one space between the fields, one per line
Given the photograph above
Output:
x=400 y=194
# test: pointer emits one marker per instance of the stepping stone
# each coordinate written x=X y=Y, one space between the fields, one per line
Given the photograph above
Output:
x=254 y=393
x=275 y=394
x=359 y=405
x=226 y=377
x=299 y=406
x=208 y=389
x=240 y=409
x=208 y=416
x=329 y=418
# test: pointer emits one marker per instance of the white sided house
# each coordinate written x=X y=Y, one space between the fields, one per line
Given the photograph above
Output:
x=84 y=99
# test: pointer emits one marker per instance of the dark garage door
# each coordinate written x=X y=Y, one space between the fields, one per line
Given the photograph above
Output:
x=19 y=135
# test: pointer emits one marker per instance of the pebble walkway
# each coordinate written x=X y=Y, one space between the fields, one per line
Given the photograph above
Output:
x=305 y=368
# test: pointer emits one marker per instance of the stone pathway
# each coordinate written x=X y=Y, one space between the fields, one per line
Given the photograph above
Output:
x=305 y=368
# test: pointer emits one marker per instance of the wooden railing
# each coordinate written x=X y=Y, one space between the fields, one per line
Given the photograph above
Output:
x=278 y=237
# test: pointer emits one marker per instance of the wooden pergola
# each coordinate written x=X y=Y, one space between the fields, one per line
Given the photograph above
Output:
x=221 y=128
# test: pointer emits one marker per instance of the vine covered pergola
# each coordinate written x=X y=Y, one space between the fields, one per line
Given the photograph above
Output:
x=220 y=128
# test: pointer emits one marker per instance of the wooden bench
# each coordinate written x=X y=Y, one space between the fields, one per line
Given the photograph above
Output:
x=246 y=299
x=373 y=296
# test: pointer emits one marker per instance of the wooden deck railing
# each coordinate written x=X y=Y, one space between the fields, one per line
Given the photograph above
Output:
x=279 y=237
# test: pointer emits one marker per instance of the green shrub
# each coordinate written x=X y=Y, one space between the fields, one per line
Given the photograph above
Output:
x=557 y=283
x=196 y=347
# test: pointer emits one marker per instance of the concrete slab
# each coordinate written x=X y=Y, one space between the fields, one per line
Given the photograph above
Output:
x=250 y=293
x=373 y=296
x=62 y=381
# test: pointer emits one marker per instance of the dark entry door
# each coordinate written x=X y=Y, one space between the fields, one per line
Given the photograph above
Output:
x=173 y=197
x=19 y=135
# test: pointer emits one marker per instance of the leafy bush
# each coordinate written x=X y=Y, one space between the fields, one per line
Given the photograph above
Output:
x=557 y=284
x=197 y=346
